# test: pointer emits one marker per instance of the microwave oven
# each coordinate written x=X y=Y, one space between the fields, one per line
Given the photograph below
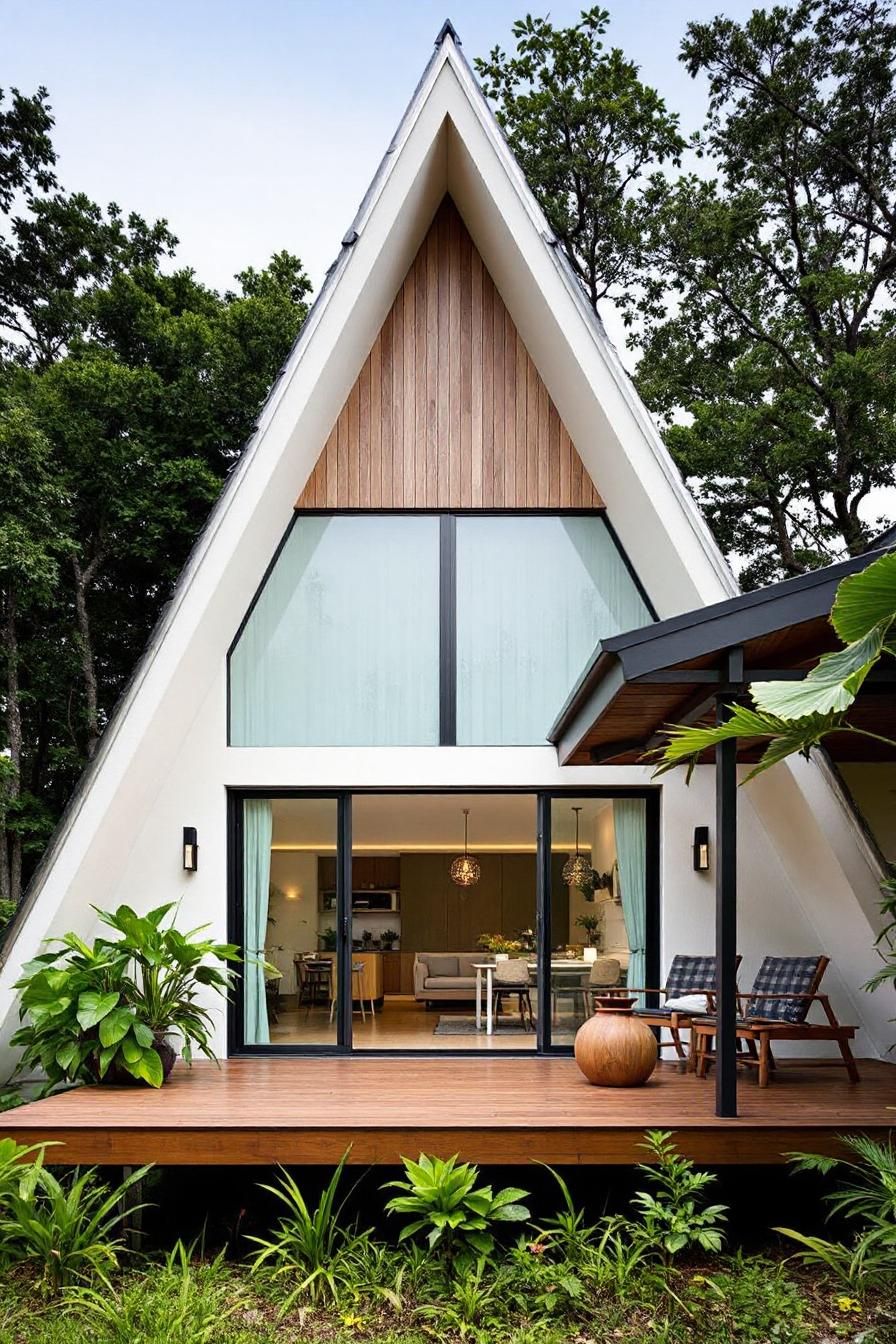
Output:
x=378 y=902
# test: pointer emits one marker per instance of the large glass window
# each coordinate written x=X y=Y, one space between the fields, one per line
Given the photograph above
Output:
x=342 y=646
x=534 y=597
x=418 y=629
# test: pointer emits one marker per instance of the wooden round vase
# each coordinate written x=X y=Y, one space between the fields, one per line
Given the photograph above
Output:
x=614 y=1048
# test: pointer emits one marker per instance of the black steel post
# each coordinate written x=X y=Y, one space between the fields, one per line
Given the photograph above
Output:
x=543 y=922
x=726 y=922
x=344 y=921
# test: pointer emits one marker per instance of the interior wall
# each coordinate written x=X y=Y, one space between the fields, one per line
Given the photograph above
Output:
x=293 y=919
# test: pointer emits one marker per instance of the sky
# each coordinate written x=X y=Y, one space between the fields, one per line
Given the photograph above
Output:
x=257 y=126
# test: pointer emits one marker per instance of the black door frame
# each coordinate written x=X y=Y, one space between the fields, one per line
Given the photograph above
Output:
x=544 y=798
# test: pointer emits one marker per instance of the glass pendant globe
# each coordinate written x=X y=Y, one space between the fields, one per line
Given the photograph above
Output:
x=465 y=871
x=576 y=870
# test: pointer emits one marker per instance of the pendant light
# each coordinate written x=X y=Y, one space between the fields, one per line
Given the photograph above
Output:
x=465 y=869
x=577 y=868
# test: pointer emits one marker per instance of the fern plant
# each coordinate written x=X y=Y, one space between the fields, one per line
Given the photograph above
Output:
x=868 y=1195
x=443 y=1202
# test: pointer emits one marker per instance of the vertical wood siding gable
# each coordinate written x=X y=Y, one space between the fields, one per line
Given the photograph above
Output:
x=449 y=410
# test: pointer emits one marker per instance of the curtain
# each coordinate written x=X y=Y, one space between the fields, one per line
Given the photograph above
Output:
x=534 y=597
x=257 y=829
x=342 y=646
x=630 y=826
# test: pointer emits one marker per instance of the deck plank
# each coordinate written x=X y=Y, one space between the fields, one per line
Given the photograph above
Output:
x=496 y=1110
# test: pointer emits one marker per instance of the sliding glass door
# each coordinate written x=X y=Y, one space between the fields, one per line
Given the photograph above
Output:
x=475 y=921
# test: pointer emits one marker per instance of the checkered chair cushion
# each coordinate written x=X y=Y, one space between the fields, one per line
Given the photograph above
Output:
x=690 y=975
x=783 y=975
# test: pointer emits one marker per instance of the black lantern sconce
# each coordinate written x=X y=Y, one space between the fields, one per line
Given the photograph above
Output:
x=701 y=849
x=191 y=850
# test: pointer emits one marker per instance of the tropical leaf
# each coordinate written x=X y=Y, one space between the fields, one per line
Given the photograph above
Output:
x=92 y=1008
x=831 y=686
x=866 y=599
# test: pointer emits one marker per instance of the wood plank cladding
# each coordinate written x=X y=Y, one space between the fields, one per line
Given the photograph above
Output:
x=449 y=410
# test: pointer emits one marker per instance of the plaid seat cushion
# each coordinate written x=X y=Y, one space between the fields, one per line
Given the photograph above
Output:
x=783 y=975
x=690 y=975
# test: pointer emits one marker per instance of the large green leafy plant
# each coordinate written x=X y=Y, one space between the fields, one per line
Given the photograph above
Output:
x=101 y=1011
x=796 y=716
x=444 y=1202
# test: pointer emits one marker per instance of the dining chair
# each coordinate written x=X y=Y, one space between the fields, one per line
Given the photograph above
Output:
x=511 y=978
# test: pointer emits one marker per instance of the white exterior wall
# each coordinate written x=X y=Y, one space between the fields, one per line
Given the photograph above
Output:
x=808 y=881
x=794 y=896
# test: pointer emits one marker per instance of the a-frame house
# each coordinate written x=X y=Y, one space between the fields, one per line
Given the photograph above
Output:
x=452 y=496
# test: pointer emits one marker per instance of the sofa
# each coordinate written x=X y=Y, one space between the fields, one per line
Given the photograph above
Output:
x=446 y=975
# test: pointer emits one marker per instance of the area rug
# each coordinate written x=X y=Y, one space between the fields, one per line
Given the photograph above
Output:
x=458 y=1025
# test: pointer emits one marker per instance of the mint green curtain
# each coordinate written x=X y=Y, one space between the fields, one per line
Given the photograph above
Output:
x=257 y=830
x=630 y=827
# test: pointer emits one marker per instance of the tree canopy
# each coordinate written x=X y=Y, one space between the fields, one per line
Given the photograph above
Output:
x=127 y=388
x=760 y=289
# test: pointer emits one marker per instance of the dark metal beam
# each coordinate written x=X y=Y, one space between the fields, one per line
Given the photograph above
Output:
x=726 y=909
x=608 y=751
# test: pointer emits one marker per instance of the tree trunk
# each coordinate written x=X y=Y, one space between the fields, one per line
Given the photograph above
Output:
x=11 y=865
x=83 y=578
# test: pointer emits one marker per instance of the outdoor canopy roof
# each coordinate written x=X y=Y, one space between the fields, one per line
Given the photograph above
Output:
x=674 y=670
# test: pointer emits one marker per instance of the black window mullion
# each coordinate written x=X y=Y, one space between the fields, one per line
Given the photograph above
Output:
x=447 y=630
x=344 y=922
x=543 y=893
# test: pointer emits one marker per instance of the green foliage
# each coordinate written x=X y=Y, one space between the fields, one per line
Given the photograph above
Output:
x=476 y=1306
x=671 y=1219
x=177 y=1302
x=868 y=1195
x=443 y=1201
x=65 y=1229
x=127 y=388
x=751 y=1300
x=796 y=716
x=773 y=362
x=88 y=1010
x=586 y=132
x=313 y=1246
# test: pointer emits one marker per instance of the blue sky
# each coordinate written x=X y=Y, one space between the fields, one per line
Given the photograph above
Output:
x=256 y=126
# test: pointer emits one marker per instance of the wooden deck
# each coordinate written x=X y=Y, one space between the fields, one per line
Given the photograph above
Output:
x=495 y=1110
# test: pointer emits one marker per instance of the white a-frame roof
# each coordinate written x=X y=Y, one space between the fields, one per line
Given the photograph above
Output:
x=448 y=141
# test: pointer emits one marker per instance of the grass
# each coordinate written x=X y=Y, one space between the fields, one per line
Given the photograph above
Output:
x=183 y=1299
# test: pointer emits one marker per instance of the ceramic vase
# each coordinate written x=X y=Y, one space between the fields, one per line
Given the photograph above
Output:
x=614 y=1048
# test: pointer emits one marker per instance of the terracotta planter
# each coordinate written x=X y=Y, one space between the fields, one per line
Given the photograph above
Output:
x=614 y=1048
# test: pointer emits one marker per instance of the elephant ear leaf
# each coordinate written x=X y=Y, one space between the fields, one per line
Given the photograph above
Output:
x=92 y=1008
x=866 y=600
x=832 y=684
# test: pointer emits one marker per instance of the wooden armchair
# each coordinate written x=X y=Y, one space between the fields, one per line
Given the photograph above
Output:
x=688 y=975
x=776 y=1009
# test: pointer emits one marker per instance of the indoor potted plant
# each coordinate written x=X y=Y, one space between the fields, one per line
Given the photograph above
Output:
x=500 y=947
x=388 y=939
x=106 y=1012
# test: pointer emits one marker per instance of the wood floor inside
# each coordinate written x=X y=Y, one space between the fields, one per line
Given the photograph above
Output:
x=491 y=1109
x=401 y=1023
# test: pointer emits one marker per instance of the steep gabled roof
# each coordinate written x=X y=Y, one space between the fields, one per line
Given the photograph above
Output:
x=447 y=141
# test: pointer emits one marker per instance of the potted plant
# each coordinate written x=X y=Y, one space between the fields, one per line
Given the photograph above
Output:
x=388 y=939
x=106 y=1012
x=327 y=939
x=591 y=925
x=500 y=947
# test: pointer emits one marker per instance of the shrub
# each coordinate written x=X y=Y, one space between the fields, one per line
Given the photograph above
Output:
x=88 y=1011
x=750 y=1300
x=65 y=1229
x=868 y=1194
x=313 y=1246
x=442 y=1199
x=671 y=1219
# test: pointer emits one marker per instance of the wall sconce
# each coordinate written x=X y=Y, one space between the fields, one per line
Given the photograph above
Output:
x=701 y=849
x=191 y=850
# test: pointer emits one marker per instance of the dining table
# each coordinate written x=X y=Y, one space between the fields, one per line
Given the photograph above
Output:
x=485 y=979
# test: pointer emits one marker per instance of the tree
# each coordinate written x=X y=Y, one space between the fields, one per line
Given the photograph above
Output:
x=585 y=130
x=130 y=390
x=31 y=544
x=777 y=372
x=758 y=288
